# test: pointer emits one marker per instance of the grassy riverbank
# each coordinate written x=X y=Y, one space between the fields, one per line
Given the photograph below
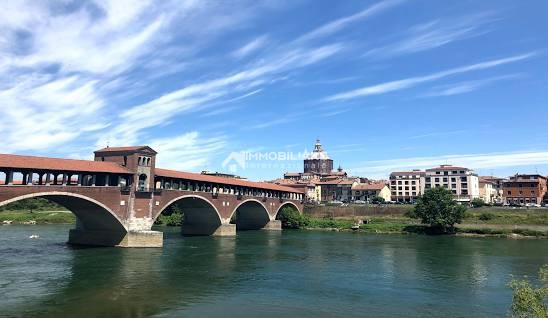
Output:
x=40 y=217
x=402 y=225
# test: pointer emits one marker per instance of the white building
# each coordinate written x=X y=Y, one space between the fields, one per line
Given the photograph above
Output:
x=406 y=186
x=463 y=182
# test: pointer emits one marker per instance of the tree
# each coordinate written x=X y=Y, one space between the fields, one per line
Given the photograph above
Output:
x=545 y=198
x=477 y=203
x=529 y=301
x=438 y=209
x=292 y=219
x=377 y=200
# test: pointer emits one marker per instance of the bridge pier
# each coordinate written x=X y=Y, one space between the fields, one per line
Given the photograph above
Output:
x=118 y=239
x=274 y=225
x=206 y=229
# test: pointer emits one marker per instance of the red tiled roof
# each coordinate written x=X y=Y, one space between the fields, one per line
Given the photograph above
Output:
x=57 y=164
x=122 y=149
x=221 y=180
x=369 y=186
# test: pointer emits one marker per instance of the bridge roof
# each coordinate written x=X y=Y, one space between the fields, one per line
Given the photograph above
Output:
x=221 y=180
x=57 y=164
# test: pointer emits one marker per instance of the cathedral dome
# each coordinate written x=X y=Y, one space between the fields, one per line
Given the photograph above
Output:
x=318 y=153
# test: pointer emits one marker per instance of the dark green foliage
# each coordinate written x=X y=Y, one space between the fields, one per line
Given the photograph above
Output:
x=292 y=219
x=172 y=216
x=34 y=204
x=527 y=299
x=377 y=200
x=545 y=198
x=438 y=209
x=486 y=216
x=477 y=203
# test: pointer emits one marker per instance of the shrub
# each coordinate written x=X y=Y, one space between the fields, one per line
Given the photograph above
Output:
x=292 y=219
x=528 y=300
x=377 y=200
x=477 y=203
x=438 y=209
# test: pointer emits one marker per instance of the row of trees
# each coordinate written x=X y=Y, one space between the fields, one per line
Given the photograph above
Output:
x=31 y=205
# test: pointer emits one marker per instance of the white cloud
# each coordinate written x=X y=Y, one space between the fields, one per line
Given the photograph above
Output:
x=434 y=34
x=339 y=24
x=250 y=47
x=466 y=86
x=474 y=161
x=189 y=152
x=413 y=81
x=199 y=96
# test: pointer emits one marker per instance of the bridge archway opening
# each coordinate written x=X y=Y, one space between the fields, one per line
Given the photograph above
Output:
x=286 y=206
x=250 y=215
x=199 y=216
x=95 y=223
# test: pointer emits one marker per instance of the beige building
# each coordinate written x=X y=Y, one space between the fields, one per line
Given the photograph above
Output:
x=463 y=182
x=488 y=190
x=368 y=191
x=406 y=186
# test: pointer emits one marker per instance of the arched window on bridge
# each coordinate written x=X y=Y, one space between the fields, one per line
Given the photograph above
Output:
x=142 y=182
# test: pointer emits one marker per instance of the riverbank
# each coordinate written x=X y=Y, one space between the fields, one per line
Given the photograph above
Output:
x=37 y=217
x=482 y=222
x=403 y=225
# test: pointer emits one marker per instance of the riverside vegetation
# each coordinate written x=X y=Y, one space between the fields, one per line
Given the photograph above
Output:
x=482 y=220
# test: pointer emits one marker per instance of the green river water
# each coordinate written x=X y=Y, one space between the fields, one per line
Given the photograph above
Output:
x=263 y=274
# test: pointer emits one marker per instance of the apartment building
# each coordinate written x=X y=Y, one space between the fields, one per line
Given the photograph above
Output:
x=524 y=189
x=463 y=182
x=488 y=190
x=368 y=191
x=406 y=186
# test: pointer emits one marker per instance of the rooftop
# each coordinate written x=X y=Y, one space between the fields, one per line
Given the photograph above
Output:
x=221 y=180
x=125 y=149
x=57 y=164
x=369 y=186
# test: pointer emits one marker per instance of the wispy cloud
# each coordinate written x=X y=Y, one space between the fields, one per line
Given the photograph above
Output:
x=436 y=33
x=467 y=86
x=250 y=47
x=474 y=161
x=197 y=96
x=413 y=81
x=339 y=24
x=189 y=151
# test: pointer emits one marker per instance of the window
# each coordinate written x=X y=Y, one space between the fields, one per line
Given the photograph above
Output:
x=427 y=179
x=125 y=161
x=444 y=179
x=453 y=186
x=453 y=179
x=445 y=173
x=509 y=192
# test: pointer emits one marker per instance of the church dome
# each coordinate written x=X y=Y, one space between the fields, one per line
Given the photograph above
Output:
x=318 y=152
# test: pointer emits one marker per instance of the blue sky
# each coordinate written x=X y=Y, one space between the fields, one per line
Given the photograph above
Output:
x=386 y=85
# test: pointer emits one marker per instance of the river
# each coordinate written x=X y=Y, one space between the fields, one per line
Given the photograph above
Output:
x=263 y=274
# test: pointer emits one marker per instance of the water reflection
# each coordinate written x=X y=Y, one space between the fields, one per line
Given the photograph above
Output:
x=271 y=274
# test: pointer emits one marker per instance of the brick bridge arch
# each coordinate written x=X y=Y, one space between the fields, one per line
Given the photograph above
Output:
x=251 y=214
x=92 y=216
x=201 y=217
x=288 y=203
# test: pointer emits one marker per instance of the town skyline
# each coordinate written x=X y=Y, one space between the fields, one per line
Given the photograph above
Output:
x=382 y=89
